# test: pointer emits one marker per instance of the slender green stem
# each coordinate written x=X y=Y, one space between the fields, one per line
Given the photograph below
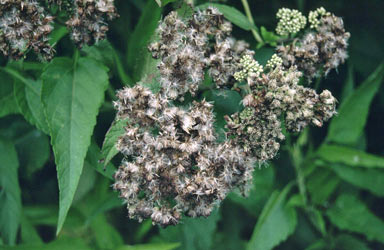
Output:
x=297 y=160
x=250 y=18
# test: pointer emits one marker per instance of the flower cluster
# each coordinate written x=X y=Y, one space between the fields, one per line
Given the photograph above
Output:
x=24 y=25
x=88 y=23
x=248 y=67
x=185 y=51
x=290 y=21
x=318 y=51
x=257 y=129
x=172 y=163
x=314 y=17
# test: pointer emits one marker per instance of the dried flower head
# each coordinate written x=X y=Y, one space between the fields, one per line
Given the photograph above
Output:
x=24 y=25
x=290 y=21
x=186 y=50
x=172 y=162
x=318 y=51
x=88 y=23
x=276 y=94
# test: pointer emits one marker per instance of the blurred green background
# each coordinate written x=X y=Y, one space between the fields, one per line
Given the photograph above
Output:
x=324 y=190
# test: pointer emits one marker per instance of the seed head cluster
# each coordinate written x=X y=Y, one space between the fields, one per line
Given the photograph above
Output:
x=172 y=162
x=187 y=48
x=290 y=21
x=24 y=26
x=318 y=51
x=273 y=96
x=88 y=23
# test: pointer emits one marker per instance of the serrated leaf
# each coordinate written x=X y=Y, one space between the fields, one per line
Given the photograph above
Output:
x=96 y=160
x=351 y=214
x=348 y=125
x=72 y=94
x=27 y=94
x=349 y=156
x=151 y=246
x=321 y=184
x=276 y=212
x=109 y=149
x=348 y=242
x=194 y=233
x=137 y=47
x=7 y=100
x=232 y=14
x=10 y=196
x=368 y=179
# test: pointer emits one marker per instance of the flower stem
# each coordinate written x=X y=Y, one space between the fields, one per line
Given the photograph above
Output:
x=250 y=18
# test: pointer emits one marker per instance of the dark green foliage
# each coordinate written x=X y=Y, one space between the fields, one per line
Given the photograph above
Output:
x=325 y=189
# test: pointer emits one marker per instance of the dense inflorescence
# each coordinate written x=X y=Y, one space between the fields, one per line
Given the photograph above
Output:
x=318 y=51
x=172 y=163
x=185 y=50
x=290 y=21
x=88 y=23
x=274 y=95
x=24 y=25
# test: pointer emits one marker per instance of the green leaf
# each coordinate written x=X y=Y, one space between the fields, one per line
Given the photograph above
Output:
x=33 y=150
x=28 y=98
x=137 y=47
x=109 y=149
x=226 y=102
x=262 y=187
x=348 y=242
x=266 y=235
x=29 y=234
x=151 y=246
x=195 y=233
x=321 y=184
x=348 y=125
x=350 y=214
x=105 y=235
x=101 y=52
x=232 y=14
x=349 y=156
x=57 y=33
x=96 y=160
x=59 y=244
x=349 y=85
x=268 y=36
x=10 y=196
x=368 y=179
x=72 y=93
x=7 y=100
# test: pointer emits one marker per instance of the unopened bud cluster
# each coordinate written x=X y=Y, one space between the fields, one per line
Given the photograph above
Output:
x=248 y=67
x=290 y=21
x=185 y=50
x=24 y=26
x=314 y=17
x=88 y=23
x=320 y=51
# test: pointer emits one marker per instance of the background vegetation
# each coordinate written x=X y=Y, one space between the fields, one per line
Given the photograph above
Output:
x=324 y=191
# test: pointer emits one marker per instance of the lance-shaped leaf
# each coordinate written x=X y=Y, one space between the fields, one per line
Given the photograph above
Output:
x=347 y=126
x=7 y=100
x=277 y=221
x=10 y=196
x=351 y=214
x=73 y=91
